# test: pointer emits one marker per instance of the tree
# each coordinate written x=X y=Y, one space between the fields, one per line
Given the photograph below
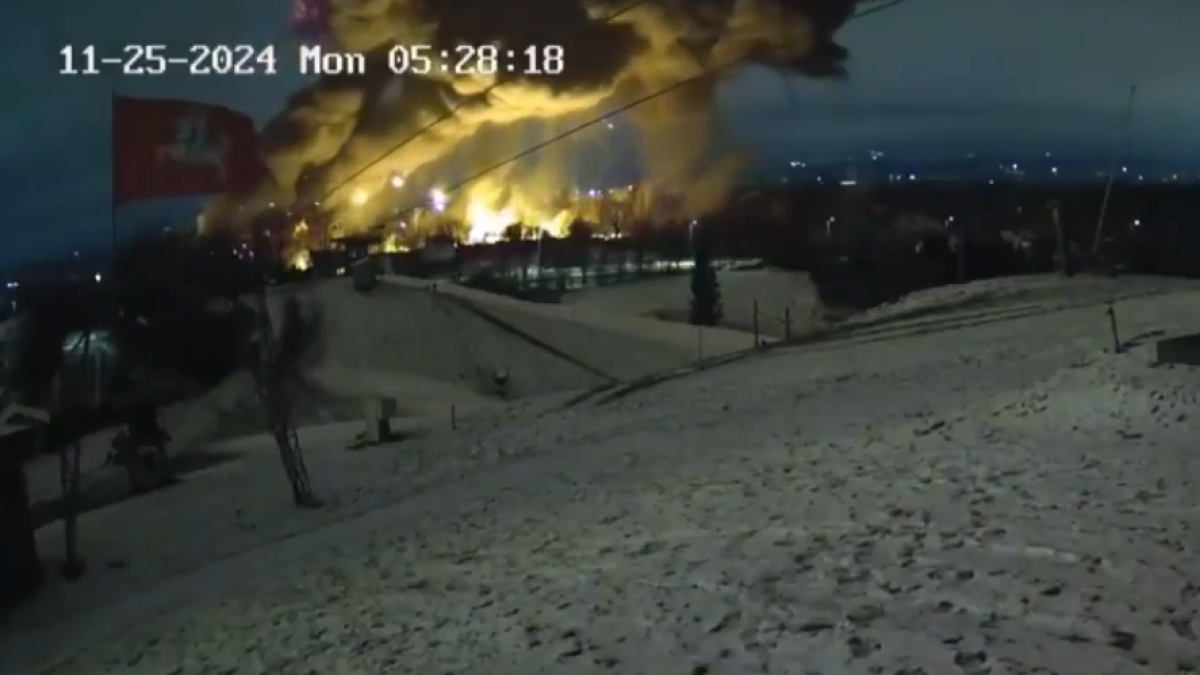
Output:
x=706 y=309
x=190 y=273
x=514 y=232
x=276 y=365
x=579 y=238
x=171 y=305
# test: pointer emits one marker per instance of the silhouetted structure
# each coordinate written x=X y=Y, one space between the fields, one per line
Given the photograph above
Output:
x=20 y=567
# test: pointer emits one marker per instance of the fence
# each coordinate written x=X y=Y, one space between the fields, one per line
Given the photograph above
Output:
x=760 y=317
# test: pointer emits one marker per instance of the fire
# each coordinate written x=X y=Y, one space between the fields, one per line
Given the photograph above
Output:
x=487 y=210
x=486 y=224
x=392 y=244
x=300 y=260
x=297 y=252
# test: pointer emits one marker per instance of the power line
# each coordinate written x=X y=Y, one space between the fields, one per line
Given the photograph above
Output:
x=466 y=100
x=628 y=106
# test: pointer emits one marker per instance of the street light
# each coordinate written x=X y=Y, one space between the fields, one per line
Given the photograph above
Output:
x=438 y=199
x=359 y=198
x=397 y=181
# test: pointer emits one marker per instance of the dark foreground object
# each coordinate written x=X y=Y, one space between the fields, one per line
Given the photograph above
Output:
x=1183 y=350
x=20 y=569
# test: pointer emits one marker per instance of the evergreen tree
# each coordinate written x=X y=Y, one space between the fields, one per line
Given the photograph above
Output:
x=706 y=309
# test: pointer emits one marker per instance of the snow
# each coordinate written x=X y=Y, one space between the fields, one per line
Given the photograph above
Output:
x=1043 y=292
x=777 y=295
x=994 y=493
x=626 y=347
x=436 y=353
x=780 y=296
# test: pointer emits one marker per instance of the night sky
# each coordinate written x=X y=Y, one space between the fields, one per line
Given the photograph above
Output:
x=929 y=77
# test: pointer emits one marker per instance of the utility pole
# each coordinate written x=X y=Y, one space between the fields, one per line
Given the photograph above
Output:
x=1118 y=146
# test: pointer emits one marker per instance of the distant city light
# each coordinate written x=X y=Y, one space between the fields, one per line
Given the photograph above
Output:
x=359 y=197
x=397 y=181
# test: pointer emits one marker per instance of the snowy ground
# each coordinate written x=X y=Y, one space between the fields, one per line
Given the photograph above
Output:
x=776 y=295
x=429 y=352
x=981 y=496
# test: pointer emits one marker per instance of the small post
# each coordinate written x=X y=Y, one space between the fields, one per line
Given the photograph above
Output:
x=754 y=309
x=699 y=343
x=961 y=258
x=453 y=416
x=1064 y=266
x=1112 y=324
x=378 y=417
x=787 y=323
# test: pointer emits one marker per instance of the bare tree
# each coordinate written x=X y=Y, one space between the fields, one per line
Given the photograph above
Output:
x=277 y=369
x=220 y=265
x=277 y=377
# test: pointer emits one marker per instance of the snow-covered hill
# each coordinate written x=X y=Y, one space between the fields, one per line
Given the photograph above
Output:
x=437 y=353
x=980 y=488
x=777 y=295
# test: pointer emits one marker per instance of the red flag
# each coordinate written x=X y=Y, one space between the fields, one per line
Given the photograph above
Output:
x=172 y=148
